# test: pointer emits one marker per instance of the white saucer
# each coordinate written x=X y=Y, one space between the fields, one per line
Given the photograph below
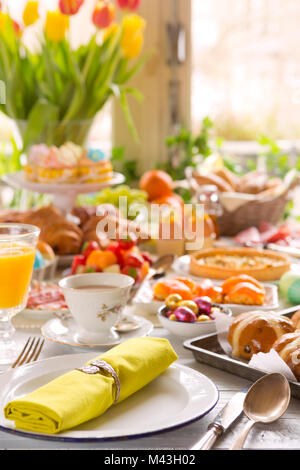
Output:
x=66 y=332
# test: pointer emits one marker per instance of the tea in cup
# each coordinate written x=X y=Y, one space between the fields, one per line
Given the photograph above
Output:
x=96 y=301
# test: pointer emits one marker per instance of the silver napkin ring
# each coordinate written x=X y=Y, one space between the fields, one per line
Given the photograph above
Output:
x=96 y=366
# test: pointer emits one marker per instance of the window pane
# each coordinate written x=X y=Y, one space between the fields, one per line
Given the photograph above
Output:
x=246 y=67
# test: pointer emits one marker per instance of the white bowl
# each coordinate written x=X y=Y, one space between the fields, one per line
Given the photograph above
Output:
x=190 y=330
x=96 y=312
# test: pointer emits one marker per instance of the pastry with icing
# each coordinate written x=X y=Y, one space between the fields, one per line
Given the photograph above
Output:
x=288 y=348
x=255 y=332
x=67 y=164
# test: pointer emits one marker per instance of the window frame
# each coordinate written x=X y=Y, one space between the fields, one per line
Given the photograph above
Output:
x=152 y=117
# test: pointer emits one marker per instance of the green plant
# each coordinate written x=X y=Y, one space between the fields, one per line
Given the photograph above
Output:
x=48 y=90
x=278 y=162
x=127 y=167
x=185 y=149
x=10 y=157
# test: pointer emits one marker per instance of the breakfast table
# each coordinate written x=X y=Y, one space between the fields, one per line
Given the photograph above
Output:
x=281 y=435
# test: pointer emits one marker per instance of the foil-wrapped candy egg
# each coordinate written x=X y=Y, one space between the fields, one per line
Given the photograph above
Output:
x=202 y=318
x=185 y=315
x=189 y=304
x=204 y=304
x=172 y=301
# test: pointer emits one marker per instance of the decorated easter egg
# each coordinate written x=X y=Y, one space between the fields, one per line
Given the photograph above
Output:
x=289 y=286
x=39 y=261
x=96 y=155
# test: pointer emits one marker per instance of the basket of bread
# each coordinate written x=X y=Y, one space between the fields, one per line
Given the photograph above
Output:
x=246 y=200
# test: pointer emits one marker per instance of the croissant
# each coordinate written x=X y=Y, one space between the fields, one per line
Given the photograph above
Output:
x=111 y=227
x=13 y=216
x=64 y=241
x=84 y=213
x=64 y=236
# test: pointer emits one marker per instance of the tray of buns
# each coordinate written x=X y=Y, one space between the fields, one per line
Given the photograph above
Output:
x=208 y=350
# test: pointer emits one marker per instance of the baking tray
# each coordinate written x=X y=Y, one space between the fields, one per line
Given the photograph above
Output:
x=207 y=350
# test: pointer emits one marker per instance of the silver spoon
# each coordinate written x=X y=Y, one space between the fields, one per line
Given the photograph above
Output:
x=125 y=326
x=160 y=266
x=265 y=402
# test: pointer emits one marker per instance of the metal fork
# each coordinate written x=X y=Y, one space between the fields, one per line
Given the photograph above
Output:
x=30 y=352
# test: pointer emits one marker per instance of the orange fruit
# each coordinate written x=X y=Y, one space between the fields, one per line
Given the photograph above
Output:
x=156 y=183
x=101 y=259
x=173 y=200
x=144 y=270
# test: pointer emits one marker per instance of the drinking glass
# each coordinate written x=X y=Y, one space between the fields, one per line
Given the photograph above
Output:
x=17 y=254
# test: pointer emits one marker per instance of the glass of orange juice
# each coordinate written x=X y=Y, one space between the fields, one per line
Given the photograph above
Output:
x=17 y=254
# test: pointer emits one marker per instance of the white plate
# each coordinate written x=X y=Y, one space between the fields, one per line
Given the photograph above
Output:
x=66 y=332
x=18 y=180
x=183 y=394
x=181 y=267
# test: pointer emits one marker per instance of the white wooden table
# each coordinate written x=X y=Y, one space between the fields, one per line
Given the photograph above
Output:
x=282 y=435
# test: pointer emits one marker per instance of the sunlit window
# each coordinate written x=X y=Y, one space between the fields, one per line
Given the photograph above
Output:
x=246 y=67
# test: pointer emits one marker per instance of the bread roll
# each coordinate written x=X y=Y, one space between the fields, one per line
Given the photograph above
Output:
x=288 y=348
x=254 y=332
x=227 y=175
x=253 y=183
x=213 y=179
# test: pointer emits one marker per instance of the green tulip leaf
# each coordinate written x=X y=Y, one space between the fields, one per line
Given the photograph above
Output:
x=40 y=115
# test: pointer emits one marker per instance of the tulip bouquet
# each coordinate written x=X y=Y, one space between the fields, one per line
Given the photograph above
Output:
x=54 y=92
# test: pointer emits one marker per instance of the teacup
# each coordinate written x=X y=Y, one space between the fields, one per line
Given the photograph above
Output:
x=96 y=301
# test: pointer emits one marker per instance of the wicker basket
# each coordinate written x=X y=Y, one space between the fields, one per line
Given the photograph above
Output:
x=251 y=214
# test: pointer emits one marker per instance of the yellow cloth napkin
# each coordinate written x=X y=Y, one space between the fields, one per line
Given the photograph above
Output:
x=77 y=397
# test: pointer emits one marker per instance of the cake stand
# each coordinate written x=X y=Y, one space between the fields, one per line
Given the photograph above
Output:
x=64 y=195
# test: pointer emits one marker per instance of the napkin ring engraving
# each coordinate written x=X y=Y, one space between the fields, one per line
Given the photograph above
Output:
x=96 y=366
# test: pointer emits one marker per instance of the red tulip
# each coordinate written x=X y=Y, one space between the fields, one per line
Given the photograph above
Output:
x=70 y=7
x=129 y=4
x=17 y=28
x=104 y=14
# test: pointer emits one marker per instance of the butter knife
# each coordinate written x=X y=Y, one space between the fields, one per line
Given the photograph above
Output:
x=231 y=411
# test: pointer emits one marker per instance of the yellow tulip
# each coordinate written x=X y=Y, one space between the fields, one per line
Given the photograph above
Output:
x=110 y=31
x=132 y=38
x=56 y=25
x=31 y=13
x=3 y=21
